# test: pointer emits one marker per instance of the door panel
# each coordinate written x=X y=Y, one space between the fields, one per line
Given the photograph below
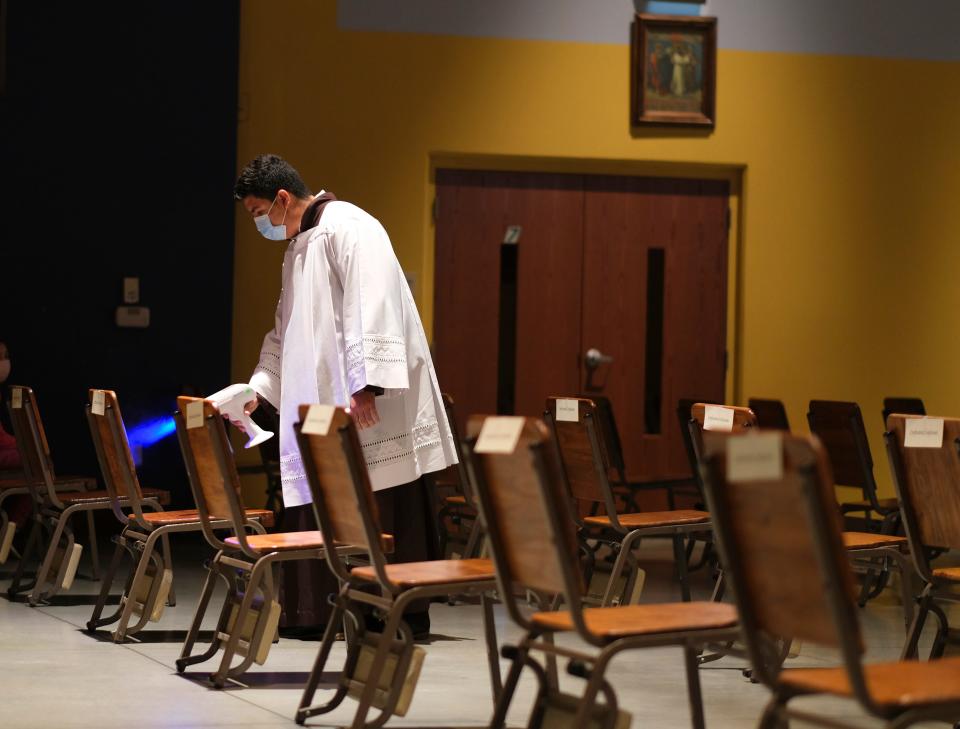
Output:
x=684 y=221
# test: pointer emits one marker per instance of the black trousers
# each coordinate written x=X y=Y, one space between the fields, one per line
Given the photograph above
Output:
x=406 y=512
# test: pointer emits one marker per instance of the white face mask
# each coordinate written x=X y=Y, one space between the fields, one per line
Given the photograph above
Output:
x=267 y=229
x=4 y=369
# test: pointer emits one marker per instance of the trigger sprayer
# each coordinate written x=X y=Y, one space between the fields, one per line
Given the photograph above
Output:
x=230 y=402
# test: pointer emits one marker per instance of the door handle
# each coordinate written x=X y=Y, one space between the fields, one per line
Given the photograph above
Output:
x=594 y=358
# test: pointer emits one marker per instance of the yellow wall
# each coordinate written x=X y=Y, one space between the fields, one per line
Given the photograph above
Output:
x=851 y=172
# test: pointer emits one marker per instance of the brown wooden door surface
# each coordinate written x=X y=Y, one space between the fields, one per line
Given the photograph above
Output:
x=630 y=223
x=589 y=249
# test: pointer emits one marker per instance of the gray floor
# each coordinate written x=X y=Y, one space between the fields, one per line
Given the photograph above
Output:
x=55 y=675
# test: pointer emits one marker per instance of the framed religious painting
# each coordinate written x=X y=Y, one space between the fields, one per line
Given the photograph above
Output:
x=673 y=70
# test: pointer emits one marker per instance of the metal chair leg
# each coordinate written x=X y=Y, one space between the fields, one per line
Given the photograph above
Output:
x=105 y=585
x=186 y=659
x=691 y=663
x=680 y=560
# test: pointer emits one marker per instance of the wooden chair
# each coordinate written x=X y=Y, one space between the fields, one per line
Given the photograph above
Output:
x=460 y=507
x=928 y=486
x=575 y=424
x=771 y=414
x=381 y=668
x=526 y=506
x=781 y=540
x=248 y=621
x=149 y=585
x=52 y=508
x=839 y=426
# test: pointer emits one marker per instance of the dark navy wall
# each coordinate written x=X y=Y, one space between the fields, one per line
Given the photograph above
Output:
x=118 y=159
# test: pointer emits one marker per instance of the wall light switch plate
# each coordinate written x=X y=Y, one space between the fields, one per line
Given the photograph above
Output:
x=131 y=290
x=137 y=317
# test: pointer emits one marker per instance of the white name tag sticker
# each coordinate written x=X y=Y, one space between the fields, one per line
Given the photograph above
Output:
x=568 y=411
x=500 y=434
x=16 y=399
x=97 y=406
x=195 y=414
x=717 y=417
x=755 y=457
x=923 y=433
x=318 y=420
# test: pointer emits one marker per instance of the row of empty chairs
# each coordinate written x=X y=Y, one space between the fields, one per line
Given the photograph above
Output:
x=530 y=499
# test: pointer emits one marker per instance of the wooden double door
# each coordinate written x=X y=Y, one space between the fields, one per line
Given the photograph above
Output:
x=556 y=284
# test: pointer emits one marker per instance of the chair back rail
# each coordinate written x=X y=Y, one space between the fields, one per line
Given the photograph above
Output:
x=113 y=453
x=771 y=414
x=33 y=446
x=342 y=495
x=580 y=446
x=781 y=542
x=463 y=472
x=528 y=511
x=928 y=484
x=839 y=426
x=902 y=405
x=743 y=418
x=213 y=475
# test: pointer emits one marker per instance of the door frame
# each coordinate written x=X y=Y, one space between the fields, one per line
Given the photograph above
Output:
x=734 y=174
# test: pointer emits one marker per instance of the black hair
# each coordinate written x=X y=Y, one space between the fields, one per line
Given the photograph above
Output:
x=266 y=175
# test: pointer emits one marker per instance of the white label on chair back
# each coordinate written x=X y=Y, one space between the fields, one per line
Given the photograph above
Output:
x=16 y=399
x=500 y=434
x=568 y=411
x=717 y=417
x=195 y=414
x=97 y=406
x=923 y=433
x=755 y=457
x=318 y=420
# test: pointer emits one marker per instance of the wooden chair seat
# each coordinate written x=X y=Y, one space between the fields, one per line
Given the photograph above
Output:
x=652 y=519
x=648 y=619
x=436 y=572
x=949 y=574
x=189 y=516
x=867 y=540
x=901 y=684
x=280 y=542
x=86 y=497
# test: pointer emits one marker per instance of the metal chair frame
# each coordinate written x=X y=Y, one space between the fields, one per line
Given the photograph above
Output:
x=393 y=597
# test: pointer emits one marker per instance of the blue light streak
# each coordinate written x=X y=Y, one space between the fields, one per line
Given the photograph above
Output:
x=150 y=431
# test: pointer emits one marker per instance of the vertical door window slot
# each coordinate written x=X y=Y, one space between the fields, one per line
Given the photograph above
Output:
x=653 y=365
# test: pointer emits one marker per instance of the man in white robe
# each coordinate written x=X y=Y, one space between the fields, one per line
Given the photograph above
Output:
x=347 y=332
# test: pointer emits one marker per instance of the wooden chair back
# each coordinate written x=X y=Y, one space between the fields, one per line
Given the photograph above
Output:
x=902 y=405
x=212 y=472
x=684 y=407
x=33 y=446
x=781 y=542
x=463 y=472
x=839 y=426
x=743 y=419
x=340 y=485
x=527 y=512
x=113 y=451
x=578 y=441
x=612 y=446
x=927 y=480
x=771 y=414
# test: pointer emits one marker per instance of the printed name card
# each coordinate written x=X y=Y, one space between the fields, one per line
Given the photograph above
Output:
x=318 y=420
x=755 y=457
x=923 y=433
x=16 y=398
x=568 y=411
x=717 y=417
x=500 y=434
x=97 y=406
x=195 y=414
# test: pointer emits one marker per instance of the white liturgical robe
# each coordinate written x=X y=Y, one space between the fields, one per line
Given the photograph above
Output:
x=346 y=319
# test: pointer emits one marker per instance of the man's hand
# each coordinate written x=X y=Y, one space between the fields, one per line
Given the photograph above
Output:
x=247 y=409
x=363 y=408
